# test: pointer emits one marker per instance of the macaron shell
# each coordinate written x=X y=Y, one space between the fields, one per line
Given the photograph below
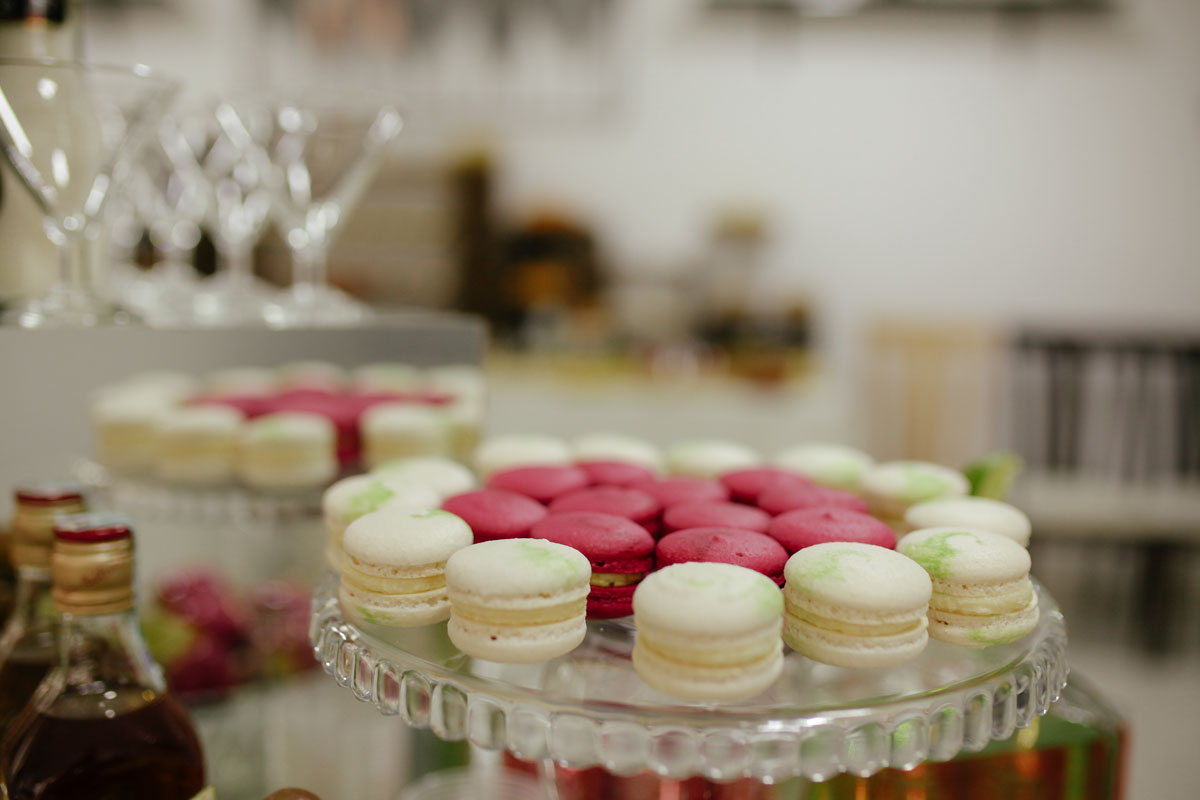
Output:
x=495 y=513
x=401 y=611
x=859 y=581
x=610 y=543
x=964 y=555
x=792 y=497
x=844 y=650
x=619 y=501
x=704 y=683
x=796 y=530
x=742 y=548
x=682 y=489
x=708 y=458
x=541 y=483
x=707 y=599
x=516 y=645
x=980 y=513
x=715 y=514
x=983 y=631
x=610 y=602
x=745 y=485
x=615 y=473
x=517 y=573
x=832 y=465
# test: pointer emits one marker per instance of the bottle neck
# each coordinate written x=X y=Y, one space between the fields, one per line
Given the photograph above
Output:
x=33 y=608
x=49 y=30
x=103 y=659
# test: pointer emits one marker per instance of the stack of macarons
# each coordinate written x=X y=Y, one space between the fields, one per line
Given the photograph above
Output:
x=204 y=431
x=803 y=551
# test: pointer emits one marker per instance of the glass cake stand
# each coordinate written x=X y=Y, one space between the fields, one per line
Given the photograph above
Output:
x=590 y=709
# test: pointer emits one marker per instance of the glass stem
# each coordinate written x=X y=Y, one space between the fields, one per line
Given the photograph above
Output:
x=311 y=270
x=71 y=282
x=238 y=262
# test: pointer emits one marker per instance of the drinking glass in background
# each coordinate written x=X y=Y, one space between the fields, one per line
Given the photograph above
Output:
x=240 y=179
x=71 y=133
x=170 y=198
x=321 y=162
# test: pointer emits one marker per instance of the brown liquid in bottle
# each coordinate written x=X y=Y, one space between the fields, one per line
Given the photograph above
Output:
x=18 y=678
x=73 y=750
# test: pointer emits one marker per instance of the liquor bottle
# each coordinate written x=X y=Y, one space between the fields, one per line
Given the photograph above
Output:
x=101 y=724
x=31 y=29
x=28 y=645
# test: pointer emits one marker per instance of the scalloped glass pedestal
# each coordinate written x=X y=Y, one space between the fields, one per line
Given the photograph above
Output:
x=589 y=708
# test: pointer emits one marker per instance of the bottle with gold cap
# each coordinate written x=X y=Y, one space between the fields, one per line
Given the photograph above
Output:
x=29 y=643
x=101 y=724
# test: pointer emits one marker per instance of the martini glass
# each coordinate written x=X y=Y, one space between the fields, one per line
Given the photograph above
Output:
x=71 y=132
x=240 y=177
x=172 y=195
x=326 y=160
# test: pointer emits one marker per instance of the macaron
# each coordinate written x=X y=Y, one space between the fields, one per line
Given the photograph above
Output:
x=520 y=601
x=458 y=381
x=782 y=498
x=614 y=473
x=680 y=489
x=748 y=549
x=288 y=450
x=540 y=483
x=708 y=458
x=715 y=514
x=708 y=632
x=198 y=445
x=319 y=375
x=402 y=430
x=356 y=496
x=745 y=485
x=796 y=530
x=393 y=377
x=520 y=450
x=495 y=513
x=892 y=487
x=833 y=465
x=979 y=513
x=855 y=605
x=616 y=447
x=619 y=551
x=240 y=381
x=444 y=475
x=393 y=572
x=616 y=500
x=982 y=594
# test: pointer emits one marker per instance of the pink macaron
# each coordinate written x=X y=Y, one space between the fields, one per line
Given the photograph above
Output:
x=797 y=530
x=681 y=489
x=615 y=473
x=755 y=551
x=790 y=497
x=745 y=485
x=616 y=500
x=542 y=483
x=620 y=551
x=495 y=513
x=715 y=514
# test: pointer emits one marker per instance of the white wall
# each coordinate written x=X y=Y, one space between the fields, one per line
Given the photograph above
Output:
x=951 y=163
x=957 y=163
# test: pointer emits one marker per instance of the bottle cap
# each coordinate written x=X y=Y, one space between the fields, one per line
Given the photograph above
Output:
x=91 y=568
x=37 y=504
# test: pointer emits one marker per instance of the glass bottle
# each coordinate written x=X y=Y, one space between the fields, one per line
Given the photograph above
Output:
x=101 y=724
x=28 y=644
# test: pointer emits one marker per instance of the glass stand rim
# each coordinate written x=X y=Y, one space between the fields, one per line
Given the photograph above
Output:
x=551 y=711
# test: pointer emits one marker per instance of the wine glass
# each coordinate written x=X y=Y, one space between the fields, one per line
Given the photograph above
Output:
x=172 y=197
x=71 y=132
x=324 y=161
x=240 y=177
